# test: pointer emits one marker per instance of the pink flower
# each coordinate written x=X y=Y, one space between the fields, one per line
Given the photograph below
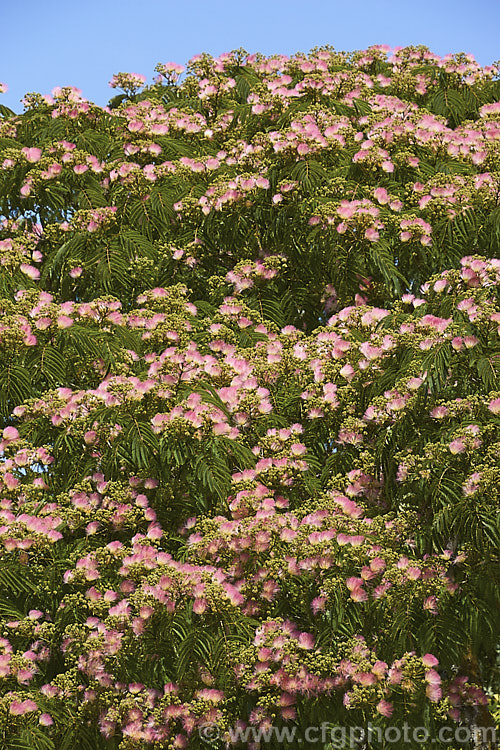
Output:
x=359 y=595
x=371 y=234
x=20 y=708
x=440 y=285
x=381 y=195
x=10 y=433
x=10 y=481
x=221 y=428
x=347 y=372
x=471 y=341
x=353 y=583
x=379 y=669
x=456 y=446
x=64 y=321
x=32 y=154
x=199 y=606
x=439 y=412
x=366 y=678
x=30 y=271
x=429 y=660
x=306 y=641
x=318 y=604
x=430 y=604
x=210 y=694
x=439 y=324
x=432 y=677
x=122 y=609
x=493 y=406
x=413 y=573
x=45 y=720
x=135 y=125
x=377 y=564
x=395 y=676
x=385 y=708
x=434 y=693
x=414 y=383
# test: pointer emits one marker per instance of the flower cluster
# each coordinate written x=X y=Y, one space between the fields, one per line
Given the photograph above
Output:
x=249 y=328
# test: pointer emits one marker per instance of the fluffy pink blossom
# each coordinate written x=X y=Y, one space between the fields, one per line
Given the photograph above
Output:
x=385 y=708
x=19 y=708
x=494 y=406
x=429 y=660
x=457 y=446
x=32 y=154
x=64 y=321
x=10 y=433
x=30 y=271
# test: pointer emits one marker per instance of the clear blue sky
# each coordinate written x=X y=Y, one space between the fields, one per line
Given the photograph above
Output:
x=47 y=43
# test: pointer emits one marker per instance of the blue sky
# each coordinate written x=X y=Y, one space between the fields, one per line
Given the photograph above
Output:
x=47 y=43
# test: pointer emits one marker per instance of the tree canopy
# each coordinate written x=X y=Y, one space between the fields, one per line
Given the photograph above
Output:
x=250 y=403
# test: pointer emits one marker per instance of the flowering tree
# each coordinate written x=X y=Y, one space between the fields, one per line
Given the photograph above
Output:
x=249 y=390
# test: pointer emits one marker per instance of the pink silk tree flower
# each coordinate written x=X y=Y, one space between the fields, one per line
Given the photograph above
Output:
x=32 y=154
x=30 y=271
x=385 y=708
